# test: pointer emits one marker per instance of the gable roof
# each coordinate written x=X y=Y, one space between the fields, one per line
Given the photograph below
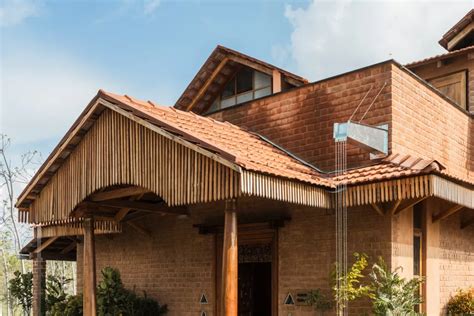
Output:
x=457 y=29
x=217 y=70
x=226 y=142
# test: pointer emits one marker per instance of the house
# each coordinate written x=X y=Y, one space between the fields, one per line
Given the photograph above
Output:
x=228 y=200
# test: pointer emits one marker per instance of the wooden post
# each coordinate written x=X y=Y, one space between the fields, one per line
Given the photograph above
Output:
x=276 y=78
x=89 y=286
x=230 y=262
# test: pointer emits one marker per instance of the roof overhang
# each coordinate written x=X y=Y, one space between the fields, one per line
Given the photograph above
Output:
x=460 y=34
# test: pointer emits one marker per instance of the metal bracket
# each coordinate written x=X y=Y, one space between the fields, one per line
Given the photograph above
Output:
x=372 y=138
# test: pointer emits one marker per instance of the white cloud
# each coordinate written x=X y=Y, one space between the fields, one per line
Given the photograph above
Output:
x=333 y=37
x=150 y=6
x=13 y=12
x=43 y=92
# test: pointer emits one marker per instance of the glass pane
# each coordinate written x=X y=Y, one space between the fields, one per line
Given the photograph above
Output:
x=244 y=80
x=262 y=80
x=214 y=106
x=245 y=97
x=416 y=255
x=263 y=92
x=229 y=89
x=227 y=102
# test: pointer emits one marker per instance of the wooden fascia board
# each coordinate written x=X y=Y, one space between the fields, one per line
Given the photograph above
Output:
x=459 y=36
x=57 y=152
x=203 y=89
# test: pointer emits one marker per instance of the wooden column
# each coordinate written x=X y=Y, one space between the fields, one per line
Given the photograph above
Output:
x=230 y=262
x=89 y=284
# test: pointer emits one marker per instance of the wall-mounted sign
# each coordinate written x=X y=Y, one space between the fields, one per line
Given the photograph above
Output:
x=289 y=300
x=203 y=299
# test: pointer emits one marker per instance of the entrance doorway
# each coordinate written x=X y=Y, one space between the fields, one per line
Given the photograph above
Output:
x=255 y=289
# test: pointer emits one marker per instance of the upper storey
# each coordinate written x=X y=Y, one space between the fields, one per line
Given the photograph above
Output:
x=453 y=73
x=228 y=78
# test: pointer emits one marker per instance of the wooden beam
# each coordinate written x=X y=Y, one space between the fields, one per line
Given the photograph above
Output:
x=446 y=213
x=230 y=262
x=143 y=206
x=124 y=211
x=459 y=37
x=395 y=206
x=69 y=247
x=378 y=209
x=89 y=279
x=118 y=193
x=208 y=82
x=467 y=223
x=46 y=244
x=410 y=204
x=276 y=81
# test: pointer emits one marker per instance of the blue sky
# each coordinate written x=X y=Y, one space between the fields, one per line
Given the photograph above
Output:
x=55 y=55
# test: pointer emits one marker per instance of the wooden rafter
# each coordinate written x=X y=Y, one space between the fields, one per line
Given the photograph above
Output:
x=69 y=247
x=407 y=206
x=378 y=209
x=117 y=193
x=125 y=210
x=208 y=82
x=446 y=213
x=395 y=206
x=45 y=245
x=142 y=206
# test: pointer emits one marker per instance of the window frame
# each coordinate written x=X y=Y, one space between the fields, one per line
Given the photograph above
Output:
x=235 y=96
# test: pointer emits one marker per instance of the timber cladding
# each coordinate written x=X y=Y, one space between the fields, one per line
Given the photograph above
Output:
x=117 y=150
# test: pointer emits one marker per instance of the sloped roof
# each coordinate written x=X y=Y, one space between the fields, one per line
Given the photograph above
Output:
x=391 y=167
x=225 y=62
x=456 y=29
x=454 y=53
x=237 y=145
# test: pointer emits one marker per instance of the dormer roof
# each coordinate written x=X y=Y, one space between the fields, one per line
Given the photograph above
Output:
x=217 y=70
x=461 y=34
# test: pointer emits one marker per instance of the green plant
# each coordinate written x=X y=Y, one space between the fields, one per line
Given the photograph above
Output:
x=318 y=300
x=351 y=286
x=392 y=294
x=462 y=303
x=21 y=289
x=55 y=290
x=72 y=306
x=145 y=306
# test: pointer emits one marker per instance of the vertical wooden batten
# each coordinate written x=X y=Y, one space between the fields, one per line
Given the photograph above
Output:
x=89 y=280
x=276 y=81
x=230 y=262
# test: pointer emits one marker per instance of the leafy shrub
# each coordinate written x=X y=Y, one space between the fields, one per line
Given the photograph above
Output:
x=145 y=306
x=462 y=303
x=351 y=286
x=318 y=300
x=392 y=294
x=55 y=290
x=21 y=289
x=71 y=306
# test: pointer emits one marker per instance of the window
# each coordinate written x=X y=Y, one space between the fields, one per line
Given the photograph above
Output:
x=418 y=240
x=453 y=86
x=246 y=85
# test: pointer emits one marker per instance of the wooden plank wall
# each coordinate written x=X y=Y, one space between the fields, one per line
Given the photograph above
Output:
x=118 y=151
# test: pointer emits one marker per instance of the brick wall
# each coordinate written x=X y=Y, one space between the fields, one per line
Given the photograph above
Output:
x=307 y=252
x=302 y=119
x=456 y=256
x=174 y=264
x=426 y=125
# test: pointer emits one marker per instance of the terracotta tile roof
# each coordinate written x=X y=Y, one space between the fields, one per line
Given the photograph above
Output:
x=242 y=147
x=440 y=57
x=392 y=167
